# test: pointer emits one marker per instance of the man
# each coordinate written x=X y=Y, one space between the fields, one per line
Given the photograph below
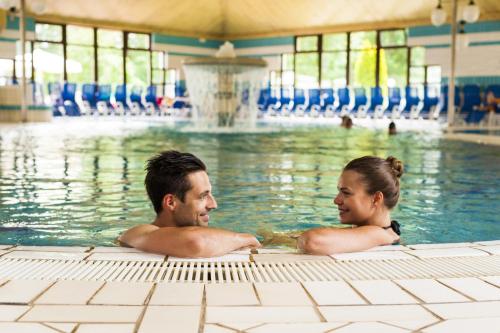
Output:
x=178 y=186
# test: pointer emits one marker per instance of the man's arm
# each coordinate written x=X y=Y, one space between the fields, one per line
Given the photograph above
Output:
x=192 y=242
x=339 y=240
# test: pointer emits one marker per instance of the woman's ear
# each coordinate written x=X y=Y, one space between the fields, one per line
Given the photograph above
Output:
x=378 y=199
x=169 y=202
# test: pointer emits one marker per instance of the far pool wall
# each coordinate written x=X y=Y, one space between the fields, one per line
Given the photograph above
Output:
x=180 y=48
x=477 y=63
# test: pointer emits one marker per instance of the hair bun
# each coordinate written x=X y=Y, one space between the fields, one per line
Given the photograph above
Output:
x=396 y=166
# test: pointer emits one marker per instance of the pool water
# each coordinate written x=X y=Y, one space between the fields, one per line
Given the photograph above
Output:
x=78 y=182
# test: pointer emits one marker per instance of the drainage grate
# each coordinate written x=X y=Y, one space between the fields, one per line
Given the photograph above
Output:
x=233 y=272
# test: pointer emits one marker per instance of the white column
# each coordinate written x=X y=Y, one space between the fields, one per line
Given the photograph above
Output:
x=24 y=109
x=451 y=82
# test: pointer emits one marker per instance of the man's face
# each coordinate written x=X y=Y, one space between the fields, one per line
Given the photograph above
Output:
x=198 y=202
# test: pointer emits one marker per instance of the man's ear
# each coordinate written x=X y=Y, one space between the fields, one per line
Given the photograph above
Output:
x=169 y=203
x=378 y=199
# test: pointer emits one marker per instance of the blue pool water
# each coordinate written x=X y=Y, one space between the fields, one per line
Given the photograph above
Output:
x=81 y=183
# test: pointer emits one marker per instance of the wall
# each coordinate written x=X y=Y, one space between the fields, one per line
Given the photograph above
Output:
x=9 y=34
x=477 y=63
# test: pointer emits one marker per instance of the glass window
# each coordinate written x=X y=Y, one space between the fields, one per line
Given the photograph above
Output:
x=80 y=63
x=333 y=69
x=307 y=43
x=6 y=71
x=48 y=62
x=158 y=76
x=158 y=59
x=170 y=83
x=287 y=62
x=48 y=32
x=306 y=71
x=434 y=74
x=79 y=35
x=392 y=67
x=275 y=78
x=417 y=56
x=27 y=60
x=363 y=40
x=110 y=38
x=138 y=68
x=138 y=41
x=417 y=75
x=110 y=66
x=334 y=42
x=393 y=38
x=362 y=68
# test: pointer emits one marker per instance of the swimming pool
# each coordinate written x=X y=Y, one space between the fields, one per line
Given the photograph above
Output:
x=77 y=182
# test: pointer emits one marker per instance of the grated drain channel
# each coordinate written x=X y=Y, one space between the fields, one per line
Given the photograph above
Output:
x=234 y=272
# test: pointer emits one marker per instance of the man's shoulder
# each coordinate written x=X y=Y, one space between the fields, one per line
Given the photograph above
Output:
x=133 y=233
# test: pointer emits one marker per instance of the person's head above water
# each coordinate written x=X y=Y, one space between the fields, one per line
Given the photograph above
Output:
x=179 y=189
x=368 y=189
x=392 y=128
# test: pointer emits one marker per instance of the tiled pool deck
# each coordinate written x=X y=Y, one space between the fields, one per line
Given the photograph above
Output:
x=424 y=288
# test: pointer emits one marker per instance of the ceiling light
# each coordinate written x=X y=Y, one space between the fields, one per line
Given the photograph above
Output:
x=471 y=12
x=438 y=15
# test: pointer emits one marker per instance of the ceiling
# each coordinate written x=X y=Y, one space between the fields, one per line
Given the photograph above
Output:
x=229 y=19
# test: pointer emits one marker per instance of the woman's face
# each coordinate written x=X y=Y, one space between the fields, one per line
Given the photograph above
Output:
x=355 y=205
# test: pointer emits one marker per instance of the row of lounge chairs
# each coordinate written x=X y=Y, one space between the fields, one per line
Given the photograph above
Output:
x=97 y=99
x=354 y=102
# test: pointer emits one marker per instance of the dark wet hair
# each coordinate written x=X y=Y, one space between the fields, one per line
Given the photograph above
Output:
x=167 y=174
x=379 y=175
x=392 y=125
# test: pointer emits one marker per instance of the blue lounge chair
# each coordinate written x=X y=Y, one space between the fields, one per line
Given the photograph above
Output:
x=55 y=93
x=103 y=99
x=360 y=102
x=394 y=106
x=344 y=99
x=136 y=105
x=328 y=105
x=413 y=105
x=89 y=98
x=262 y=101
x=121 y=105
x=151 y=100
x=314 y=103
x=376 y=103
x=299 y=102
x=430 y=102
x=443 y=100
x=470 y=109
x=285 y=101
x=68 y=96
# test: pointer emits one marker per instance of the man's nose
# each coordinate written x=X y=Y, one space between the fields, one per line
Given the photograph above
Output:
x=212 y=204
x=337 y=200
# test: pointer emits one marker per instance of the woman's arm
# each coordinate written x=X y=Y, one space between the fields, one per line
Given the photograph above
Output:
x=339 y=240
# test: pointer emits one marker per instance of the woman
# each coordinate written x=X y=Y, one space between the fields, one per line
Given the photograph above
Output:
x=368 y=190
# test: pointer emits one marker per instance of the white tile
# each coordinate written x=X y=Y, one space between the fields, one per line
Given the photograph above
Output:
x=115 y=249
x=493 y=242
x=63 y=327
x=3 y=281
x=372 y=327
x=83 y=313
x=448 y=252
x=106 y=328
x=383 y=292
x=295 y=328
x=6 y=247
x=431 y=291
x=332 y=293
x=243 y=326
x=493 y=249
x=412 y=325
x=25 y=328
x=466 y=310
x=122 y=293
x=474 y=288
x=2 y=252
x=261 y=314
x=372 y=255
x=178 y=319
x=231 y=294
x=46 y=255
x=212 y=328
x=285 y=294
x=226 y=258
x=493 y=279
x=483 y=325
x=12 y=312
x=375 y=312
x=276 y=251
x=66 y=249
x=286 y=257
x=126 y=257
x=22 y=291
x=439 y=246
x=389 y=248
x=177 y=294
x=70 y=292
